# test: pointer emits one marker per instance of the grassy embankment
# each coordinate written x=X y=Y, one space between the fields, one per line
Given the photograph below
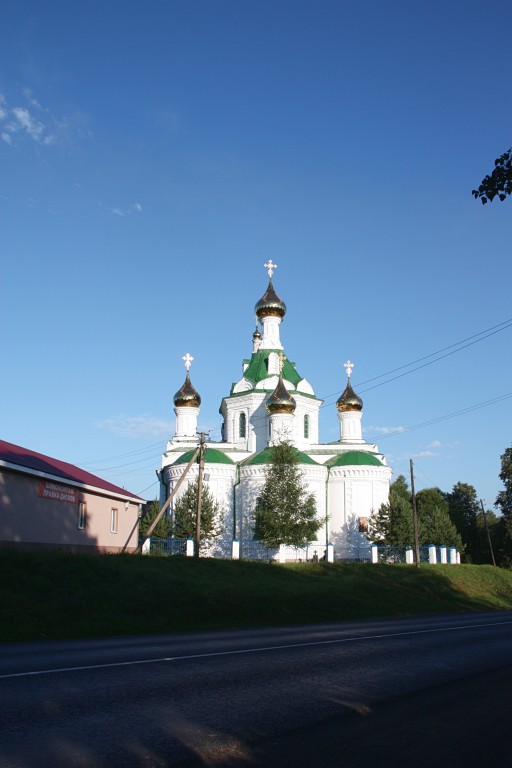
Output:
x=52 y=595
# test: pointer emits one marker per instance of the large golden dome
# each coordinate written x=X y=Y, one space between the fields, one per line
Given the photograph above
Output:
x=270 y=304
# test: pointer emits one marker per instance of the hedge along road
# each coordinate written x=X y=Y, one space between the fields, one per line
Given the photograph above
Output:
x=289 y=696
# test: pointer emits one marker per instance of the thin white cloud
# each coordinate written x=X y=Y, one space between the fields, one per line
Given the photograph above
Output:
x=435 y=444
x=138 y=426
x=30 y=121
x=133 y=208
x=425 y=455
x=383 y=430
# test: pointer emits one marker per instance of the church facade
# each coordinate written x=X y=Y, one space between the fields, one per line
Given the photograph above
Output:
x=270 y=403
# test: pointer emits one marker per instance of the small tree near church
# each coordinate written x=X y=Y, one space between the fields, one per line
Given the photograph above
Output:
x=285 y=513
x=185 y=515
x=162 y=530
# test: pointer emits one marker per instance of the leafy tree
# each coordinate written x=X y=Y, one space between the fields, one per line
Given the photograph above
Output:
x=393 y=524
x=504 y=498
x=499 y=182
x=482 y=553
x=504 y=502
x=185 y=515
x=429 y=499
x=464 y=510
x=285 y=513
x=435 y=524
x=437 y=528
x=162 y=530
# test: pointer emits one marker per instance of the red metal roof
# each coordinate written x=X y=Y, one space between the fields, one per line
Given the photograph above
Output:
x=38 y=462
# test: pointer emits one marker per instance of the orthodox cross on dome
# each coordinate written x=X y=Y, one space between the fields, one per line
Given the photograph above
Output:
x=348 y=367
x=270 y=267
x=188 y=361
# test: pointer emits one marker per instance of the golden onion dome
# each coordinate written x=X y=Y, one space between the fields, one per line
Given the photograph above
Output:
x=348 y=400
x=280 y=401
x=270 y=304
x=187 y=395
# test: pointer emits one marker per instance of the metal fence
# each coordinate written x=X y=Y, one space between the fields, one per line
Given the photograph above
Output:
x=352 y=554
x=255 y=550
x=169 y=546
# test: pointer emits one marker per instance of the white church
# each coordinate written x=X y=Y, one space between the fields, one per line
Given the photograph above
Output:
x=270 y=403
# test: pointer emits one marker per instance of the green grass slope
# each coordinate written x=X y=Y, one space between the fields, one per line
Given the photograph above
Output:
x=55 y=595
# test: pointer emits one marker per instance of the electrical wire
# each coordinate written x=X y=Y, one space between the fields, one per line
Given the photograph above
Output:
x=455 y=347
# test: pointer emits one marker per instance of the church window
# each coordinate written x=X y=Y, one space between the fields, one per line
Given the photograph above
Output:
x=306 y=425
x=242 y=425
x=273 y=363
x=113 y=520
x=81 y=515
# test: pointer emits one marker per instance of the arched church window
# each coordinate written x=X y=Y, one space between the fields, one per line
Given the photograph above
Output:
x=273 y=364
x=242 y=425
x=306 y=425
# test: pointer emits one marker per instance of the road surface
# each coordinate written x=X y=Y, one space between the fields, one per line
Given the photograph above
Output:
x=418 y=690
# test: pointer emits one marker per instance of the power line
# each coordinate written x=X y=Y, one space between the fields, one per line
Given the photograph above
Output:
x=122 y=455
x=447 y=416
x=471 y=341
x=455 y=347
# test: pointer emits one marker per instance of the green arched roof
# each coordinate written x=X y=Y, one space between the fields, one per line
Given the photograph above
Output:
x=354 y=458
x=211 y=456
x=264 y=457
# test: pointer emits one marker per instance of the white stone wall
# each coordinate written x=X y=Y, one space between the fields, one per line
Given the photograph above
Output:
x=220 y=484
x=355 y=492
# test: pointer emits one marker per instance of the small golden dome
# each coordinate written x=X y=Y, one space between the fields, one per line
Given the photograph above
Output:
x=348 y=400
x=187 y=395
x=280 y=401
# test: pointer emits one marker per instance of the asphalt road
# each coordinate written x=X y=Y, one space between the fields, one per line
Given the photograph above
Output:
x=419 y=691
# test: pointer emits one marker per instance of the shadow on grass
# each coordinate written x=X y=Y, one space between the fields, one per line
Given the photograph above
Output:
x=54 y=595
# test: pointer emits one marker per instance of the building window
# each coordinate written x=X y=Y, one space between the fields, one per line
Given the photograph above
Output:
x=81 y=515
x=113 y=520
x=242 y=425
x=273 y=364
x=306 y=425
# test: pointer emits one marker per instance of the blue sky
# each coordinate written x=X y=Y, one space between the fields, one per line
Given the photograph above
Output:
x=153 y=157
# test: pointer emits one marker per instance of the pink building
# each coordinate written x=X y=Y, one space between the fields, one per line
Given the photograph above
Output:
x=47 y=503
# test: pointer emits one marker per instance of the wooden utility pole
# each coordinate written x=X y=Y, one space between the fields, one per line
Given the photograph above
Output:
x=415 y=519
x=166 y=504
x=202 y=448
x=488 y=532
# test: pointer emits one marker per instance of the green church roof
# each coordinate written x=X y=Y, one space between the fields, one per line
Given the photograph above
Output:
x=257 y=370
x=211 y=456
x=264 y=457
x=354 y=458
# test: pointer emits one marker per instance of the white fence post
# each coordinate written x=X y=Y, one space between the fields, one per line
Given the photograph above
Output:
x=432 y=554
x=442 y=551
x=375 y=553
x=330 y=553
x=453 y=556
x=409 y=556
x=235 y=549
x=146 y=547
x=190 y=548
